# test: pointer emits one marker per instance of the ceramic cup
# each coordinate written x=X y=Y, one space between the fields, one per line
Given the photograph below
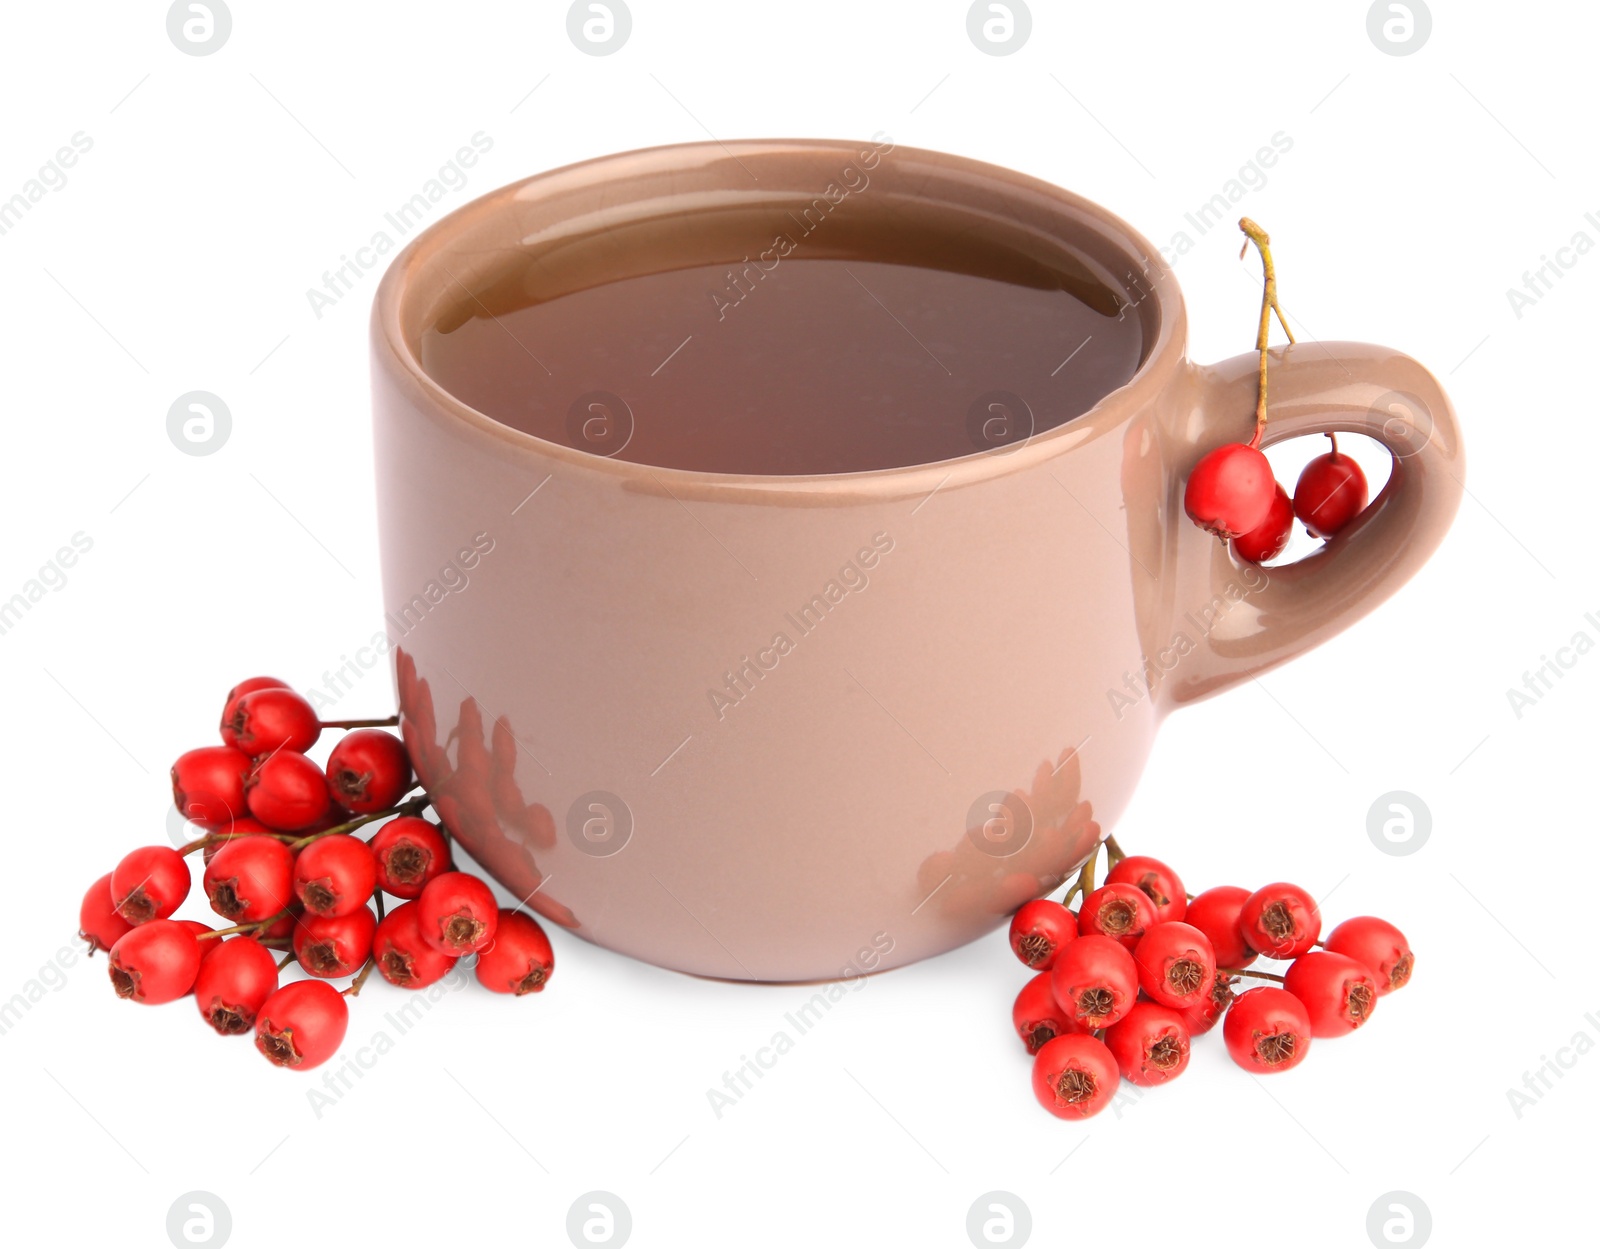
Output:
x=979 y=651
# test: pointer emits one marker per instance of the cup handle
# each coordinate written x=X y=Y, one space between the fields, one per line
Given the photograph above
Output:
x=1315 y=388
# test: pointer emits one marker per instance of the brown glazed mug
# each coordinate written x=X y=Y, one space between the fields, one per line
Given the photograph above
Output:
x=980 y=649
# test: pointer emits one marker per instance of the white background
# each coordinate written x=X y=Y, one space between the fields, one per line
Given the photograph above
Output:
x=177 y=257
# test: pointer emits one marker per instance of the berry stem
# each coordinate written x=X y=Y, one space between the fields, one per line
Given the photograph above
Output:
x=213 y=839
x=1085 y=882
x=1114 y=853
x=412 y=806
x=1241 y=971
x=353 y=989
x=1269 y=305
x=286 y=960
x=388 y=722
x=258 y=925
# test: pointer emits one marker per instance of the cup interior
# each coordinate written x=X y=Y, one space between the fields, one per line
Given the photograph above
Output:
x=781 y=309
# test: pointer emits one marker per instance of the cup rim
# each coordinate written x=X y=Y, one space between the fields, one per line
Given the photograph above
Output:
x=393 y=352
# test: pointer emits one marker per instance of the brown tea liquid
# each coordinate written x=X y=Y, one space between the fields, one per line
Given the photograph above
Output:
x=780 y=340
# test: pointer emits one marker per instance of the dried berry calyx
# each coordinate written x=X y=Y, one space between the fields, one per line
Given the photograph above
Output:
x=1076 y=1086
x=1276 y=1048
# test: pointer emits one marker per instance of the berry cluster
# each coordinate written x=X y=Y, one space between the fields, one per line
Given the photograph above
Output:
x=1231 y=492
x=283 y=866
x=1123 y=984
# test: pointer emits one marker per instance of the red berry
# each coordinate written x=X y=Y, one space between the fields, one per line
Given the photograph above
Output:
x=1151 y=1044
x=402 y=956
x=302 y=1024
x=1095 y=981
x=456 y=914
x=1337 y=992
x=1156 y=881
x=1119 y=911
x=1267 y=540
x=519 y=959
x=249 y=880
x=1267 y=1030
x=1216 y=913
x=208 y=785
x=249 y=686
x=286 y=924
x=335 y=875
x=410 y=852
x=155 y=962
x=1039 y=929
x=1037 y=1016
x=234 y=980
x=287 y=791
x=266 y=720
x=1280 y=920
x=368 y=771
x=98 y=921
x=1074 y=1076
x=1331 y=492
x=1176 y=964
x=1202 y=1017
x=1230 y=490
x=150 y=883
x=330 y=947
x=1376 y=944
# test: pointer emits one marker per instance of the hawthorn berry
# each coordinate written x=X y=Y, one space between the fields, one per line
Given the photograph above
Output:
x=1331 y=492
x=332 y=946
x=287 y=791
x=240 y=827
x=1039 y=929
x=456 y=914
x=1337 y=991
x=247 y=686
x=99 y=922
x=1156 y=880
x=302 y=1025
x=1229 y=491
x=1176 y=964
x=368 y=771
x=149 y=883
x=1037 y=1016
x=402 y=957
x=1095 y=980
x=1378 y=945
x=155 y=962
x=1074 y=1076
x=1122 y=912
x=410 y=852
x=1267 y=1030
x=250 y=879
x=335 y=875
x=267 y=720
x=234 y=980
x=519 y=959
x=1280 y=920
x=1216 y=913
x=208 y=785
x=1268 y=539
x=1150 y=1044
